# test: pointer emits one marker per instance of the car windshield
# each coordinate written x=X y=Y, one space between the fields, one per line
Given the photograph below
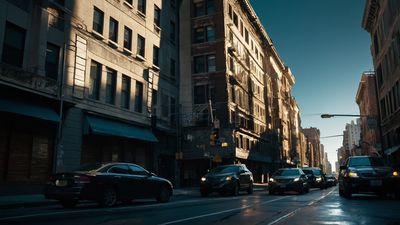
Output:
x=287 y=173
x=88 y=167
x=225 y=169
x=366 y=161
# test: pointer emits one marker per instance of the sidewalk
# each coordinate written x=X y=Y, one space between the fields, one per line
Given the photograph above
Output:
x=32 y=200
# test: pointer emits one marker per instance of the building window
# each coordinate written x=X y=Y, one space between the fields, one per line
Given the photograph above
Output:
x=172 y=30
x=141 y=45
x=204 y=34
x=125 y=91
x=52 y=61
x=210 y=33
x=138 y=97
x=98 y=20
x=127 y=38
x=211 y=67
x=156 y=52
x=246 y=35
x=199 y=64
x=172 y=69
x=204 y=7
x=56 y=16
x=204 y=64
x=200 y=94
x=142 y=6
x=13 y=45
x=157 y=15
x=235 y=19
x=154 y=99
x=164 y=105
x=111 y=86
x=95 y=80
x=113 y=30
x=130 y=2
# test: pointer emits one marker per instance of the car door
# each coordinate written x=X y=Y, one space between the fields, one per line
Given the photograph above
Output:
x=118 y=176
x=141 y=182
x=244 y=177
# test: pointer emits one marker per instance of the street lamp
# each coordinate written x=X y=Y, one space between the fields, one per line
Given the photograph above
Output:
x=333 y=115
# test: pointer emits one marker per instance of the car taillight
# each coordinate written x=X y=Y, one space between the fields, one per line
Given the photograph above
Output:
x=81 y=179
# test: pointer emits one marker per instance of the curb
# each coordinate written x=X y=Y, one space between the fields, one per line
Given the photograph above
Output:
x=45 y=202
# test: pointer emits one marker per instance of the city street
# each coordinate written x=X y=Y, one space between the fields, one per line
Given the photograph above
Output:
x=316 y=207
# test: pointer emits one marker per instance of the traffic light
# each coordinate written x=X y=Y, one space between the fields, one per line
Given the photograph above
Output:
x=214 y=137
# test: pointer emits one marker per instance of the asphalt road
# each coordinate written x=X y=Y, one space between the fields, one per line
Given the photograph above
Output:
x=316 y=207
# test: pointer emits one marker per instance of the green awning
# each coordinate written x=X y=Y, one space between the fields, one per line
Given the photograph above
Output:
x=28 y=109
x=100 y=126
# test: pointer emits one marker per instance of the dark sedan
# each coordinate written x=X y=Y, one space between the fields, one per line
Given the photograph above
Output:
x=364 y=174
x=107 y=184
x=316 y=178
x=288 y=179
x=228 y=179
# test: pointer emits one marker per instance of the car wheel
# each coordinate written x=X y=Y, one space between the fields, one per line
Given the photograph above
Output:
x=250 y=189
x=68 y=203
x=235 y=189
x=346 y=193
x=164 y=195
x=108 y=197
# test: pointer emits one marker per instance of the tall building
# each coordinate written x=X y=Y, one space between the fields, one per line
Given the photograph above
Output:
x=228 y=66
x=313 y=136
x=87 y=81
x=353 y=133
x=382 y=20
x=366 y=99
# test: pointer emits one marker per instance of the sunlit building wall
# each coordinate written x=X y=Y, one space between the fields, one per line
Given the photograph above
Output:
x=366 y=99
x=382 y=20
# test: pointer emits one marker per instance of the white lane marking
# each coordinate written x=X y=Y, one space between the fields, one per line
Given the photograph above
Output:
x=298 y=209
x=220 y=212
x=109 y=209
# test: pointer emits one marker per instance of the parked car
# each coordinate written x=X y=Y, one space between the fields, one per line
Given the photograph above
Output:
x=107 y=184
x=330 y=180
x=365 y=174
x=227 y=179
x=288 y=179
x=316 y=178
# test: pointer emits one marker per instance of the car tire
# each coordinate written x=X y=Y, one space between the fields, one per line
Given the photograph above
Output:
x=346 y=193
x=163 y=195
x=68 y=203
x=250 y=189
x=235 y=189
x=108 y=197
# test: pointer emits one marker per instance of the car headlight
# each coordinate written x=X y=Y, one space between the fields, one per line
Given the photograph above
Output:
x=203 y=179
x=395 y=174
x=228 y=178
x=318 y=179
x=296 y=179
x=353 y=174
x=271 y=179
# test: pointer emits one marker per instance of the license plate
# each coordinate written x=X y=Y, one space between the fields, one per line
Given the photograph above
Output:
x=61 y=183
x=376 y=183
x=282 y=185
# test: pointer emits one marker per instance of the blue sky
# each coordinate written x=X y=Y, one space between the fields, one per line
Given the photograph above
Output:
x=326 y=48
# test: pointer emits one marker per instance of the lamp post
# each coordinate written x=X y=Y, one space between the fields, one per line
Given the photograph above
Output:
x=326 y=115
